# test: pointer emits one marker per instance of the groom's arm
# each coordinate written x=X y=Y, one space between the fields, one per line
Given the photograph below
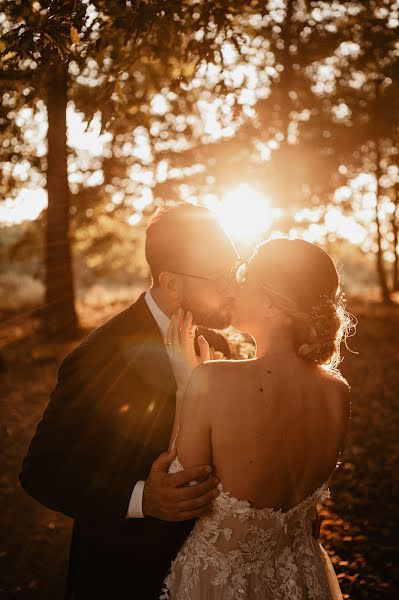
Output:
x=77 y=463
x=218 y=342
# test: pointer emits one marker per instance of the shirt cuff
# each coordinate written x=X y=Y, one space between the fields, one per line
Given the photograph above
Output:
x=135 y=509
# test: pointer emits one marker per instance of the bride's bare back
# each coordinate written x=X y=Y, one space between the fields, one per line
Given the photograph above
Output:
x=277 y=428
x=273 y=431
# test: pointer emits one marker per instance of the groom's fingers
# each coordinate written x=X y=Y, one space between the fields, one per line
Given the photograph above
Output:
x=165 y=498
x=183 y=477
x=196 y=491
x=199 y=489
x=200 y=502
x=163 y=461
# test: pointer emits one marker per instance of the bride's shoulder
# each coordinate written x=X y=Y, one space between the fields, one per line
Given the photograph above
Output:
x=214 y=383
x=228 y=367
x=337 y=389
x=335 y=380
x=216 y=374
x=214 y=369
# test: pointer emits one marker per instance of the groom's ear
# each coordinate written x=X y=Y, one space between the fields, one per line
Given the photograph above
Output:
x=169 y=284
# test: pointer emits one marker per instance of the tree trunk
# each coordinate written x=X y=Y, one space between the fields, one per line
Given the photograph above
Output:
x=59 y=311
x=382 y=276
x=395 y=243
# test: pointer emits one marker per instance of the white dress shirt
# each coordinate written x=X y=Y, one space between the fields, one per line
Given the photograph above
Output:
x=135 y=509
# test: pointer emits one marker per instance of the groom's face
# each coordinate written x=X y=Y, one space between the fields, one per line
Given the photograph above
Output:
x=208 y=287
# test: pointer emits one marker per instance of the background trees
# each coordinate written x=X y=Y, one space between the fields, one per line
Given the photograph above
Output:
x=296 y=99
x=109 y=59
x=367 y=90
x=325 y=113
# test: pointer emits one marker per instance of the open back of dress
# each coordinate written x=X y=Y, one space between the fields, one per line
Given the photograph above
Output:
x=237 y=551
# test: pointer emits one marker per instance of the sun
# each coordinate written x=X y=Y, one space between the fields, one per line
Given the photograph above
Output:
x=245 y=213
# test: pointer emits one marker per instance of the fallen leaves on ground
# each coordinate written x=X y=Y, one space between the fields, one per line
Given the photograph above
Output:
x=360 y=520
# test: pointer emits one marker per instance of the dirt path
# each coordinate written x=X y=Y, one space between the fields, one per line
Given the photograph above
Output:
x=360 y=519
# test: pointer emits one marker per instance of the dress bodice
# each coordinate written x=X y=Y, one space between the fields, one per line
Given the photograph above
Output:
x=248 y=552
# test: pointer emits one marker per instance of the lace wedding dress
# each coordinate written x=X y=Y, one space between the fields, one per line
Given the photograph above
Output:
x=236 y=551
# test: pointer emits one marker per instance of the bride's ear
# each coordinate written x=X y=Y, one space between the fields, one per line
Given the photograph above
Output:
x=269 y=308
x=273 y=312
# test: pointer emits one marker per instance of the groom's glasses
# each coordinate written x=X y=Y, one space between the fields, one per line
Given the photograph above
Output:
x=222 y=282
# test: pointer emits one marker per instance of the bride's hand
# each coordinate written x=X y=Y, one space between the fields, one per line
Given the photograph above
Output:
x=180 y=348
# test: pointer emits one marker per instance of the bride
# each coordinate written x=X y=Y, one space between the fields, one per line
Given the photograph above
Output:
x=273 y=428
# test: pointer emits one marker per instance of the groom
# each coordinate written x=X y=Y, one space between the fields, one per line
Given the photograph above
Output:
x=99 y=452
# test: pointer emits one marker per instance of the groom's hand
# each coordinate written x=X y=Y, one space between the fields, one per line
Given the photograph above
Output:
x=167 y=497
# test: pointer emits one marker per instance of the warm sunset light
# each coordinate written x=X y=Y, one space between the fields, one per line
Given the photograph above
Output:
x=133 y=134
x=27 y=207
x=245 y=213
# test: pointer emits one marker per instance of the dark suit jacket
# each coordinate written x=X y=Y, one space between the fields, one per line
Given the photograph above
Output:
x=109 y=417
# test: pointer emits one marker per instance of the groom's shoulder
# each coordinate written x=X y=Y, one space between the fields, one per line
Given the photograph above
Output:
x=216 y=340
x=123 y=328
x=133 y=319
x=125 y=322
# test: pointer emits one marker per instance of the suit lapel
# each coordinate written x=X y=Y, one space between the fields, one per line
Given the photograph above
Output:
x=151 y=359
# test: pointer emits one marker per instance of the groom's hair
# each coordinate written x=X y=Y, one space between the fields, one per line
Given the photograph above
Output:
x=169 y=232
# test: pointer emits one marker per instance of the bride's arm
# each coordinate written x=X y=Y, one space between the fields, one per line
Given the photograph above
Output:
x=194 y=425
x=183 y=360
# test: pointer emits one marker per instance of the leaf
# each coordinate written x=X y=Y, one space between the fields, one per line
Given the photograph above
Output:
x=74 y=35
x=8 y=56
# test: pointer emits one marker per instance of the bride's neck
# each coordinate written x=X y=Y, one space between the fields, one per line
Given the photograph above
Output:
x=274 y=341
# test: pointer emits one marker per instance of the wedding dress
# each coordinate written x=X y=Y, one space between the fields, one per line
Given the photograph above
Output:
x=237 y=552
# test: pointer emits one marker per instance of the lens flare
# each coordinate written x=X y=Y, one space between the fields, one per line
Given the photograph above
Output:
x=245 y=213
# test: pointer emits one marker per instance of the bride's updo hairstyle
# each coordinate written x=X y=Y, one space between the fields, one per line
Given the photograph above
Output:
x=302 y=281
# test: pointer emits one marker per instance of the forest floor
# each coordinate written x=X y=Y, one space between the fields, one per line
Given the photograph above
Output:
x=360 y=520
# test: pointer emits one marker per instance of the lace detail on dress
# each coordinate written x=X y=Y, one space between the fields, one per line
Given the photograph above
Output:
x=237 y=551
